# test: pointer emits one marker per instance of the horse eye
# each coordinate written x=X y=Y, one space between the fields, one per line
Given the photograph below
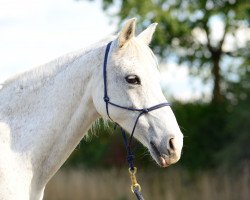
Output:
x=133 y=79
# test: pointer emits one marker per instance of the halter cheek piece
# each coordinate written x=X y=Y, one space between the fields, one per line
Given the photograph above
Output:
x=135 y=186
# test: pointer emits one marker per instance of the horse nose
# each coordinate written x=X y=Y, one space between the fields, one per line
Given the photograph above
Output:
x=169 y=150
x=174 y=146
x=171 y=144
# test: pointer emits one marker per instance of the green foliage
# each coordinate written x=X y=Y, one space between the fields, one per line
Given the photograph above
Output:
x=177 y=21
x=203 y=132
x=237 y=150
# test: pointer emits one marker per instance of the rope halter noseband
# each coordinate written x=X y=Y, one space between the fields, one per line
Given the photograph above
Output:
x=135 y=186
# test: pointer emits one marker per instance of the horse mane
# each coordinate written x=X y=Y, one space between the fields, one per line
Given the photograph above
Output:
x=47 y=71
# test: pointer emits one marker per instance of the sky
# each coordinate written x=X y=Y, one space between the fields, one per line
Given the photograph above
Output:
x=33 y=32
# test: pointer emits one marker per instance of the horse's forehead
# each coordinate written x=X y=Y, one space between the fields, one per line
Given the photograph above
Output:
x=138 y=59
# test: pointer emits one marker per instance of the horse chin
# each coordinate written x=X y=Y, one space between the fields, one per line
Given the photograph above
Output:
x=164 y=162
x=161 y=161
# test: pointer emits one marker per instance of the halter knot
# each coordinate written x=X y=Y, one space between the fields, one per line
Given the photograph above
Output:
x=145 y=110
x=106 y=99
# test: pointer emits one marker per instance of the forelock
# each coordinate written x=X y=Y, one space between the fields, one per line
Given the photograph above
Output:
x=142 y=51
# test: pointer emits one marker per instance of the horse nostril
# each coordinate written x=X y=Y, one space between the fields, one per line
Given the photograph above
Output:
x=171 y=144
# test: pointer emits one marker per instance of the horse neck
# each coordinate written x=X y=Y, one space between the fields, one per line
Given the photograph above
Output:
x=73 y=111
x=53 y=118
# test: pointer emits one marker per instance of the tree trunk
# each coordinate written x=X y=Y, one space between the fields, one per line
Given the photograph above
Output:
x=217 y=94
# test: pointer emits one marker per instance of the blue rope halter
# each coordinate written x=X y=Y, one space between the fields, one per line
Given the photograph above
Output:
x=130 y=157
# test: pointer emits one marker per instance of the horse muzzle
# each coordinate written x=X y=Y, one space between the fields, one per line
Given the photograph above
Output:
x=168 y=153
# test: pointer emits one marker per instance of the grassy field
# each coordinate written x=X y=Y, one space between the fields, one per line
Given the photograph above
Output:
x=163 y=184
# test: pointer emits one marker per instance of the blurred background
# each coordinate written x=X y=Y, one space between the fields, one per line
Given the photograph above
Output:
x=203 y=48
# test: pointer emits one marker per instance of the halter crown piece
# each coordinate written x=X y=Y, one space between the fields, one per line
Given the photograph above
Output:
x=135 y=187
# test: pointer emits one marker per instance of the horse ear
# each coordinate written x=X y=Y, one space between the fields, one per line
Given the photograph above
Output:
x=146 y=35
x=127 y=32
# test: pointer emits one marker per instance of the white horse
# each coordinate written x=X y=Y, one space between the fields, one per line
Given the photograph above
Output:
x=44 y=113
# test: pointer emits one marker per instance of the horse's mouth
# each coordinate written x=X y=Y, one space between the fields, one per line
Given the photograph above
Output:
x=162 y=159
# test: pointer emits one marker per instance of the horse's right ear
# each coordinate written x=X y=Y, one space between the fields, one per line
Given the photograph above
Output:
x=127 y=32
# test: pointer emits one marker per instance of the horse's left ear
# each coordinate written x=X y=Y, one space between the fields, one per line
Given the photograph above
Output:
x=127 y=32
x=146 y=35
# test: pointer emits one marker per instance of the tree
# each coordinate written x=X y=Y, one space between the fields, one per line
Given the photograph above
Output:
x=187 y=32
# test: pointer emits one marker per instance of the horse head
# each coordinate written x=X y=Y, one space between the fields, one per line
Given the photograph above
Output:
x=133 y=81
